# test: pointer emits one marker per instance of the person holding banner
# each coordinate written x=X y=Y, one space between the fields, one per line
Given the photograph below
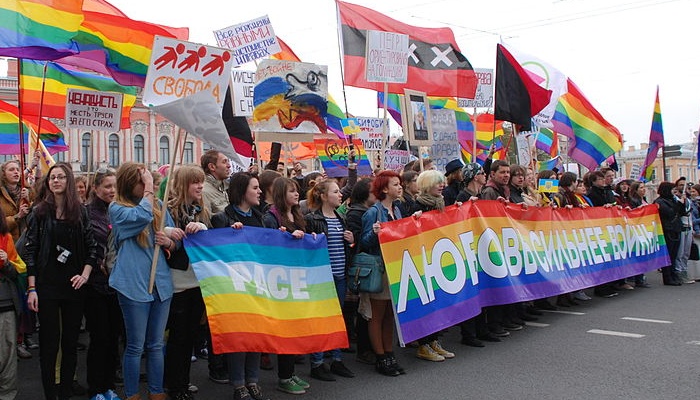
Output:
x=136 y=220
x=14 y=198
x=376 y=307
x=324 y=198
x=670 y=212
x=244 y=196
x=637 y=198
x=431 y=185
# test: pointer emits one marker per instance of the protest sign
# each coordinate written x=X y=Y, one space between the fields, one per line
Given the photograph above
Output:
x=280 y=286
x=387 y=57
x=445 y=147
x=179 y=69
x=445 y=266
x=249 y=41
x=395 y=160
x=242 y=89
x=484 y=90
x=93 y=110
x=333 y=154
x=371 y=132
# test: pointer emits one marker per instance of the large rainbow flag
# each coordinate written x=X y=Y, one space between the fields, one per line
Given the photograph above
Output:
x=51 y=136
x=332 y=152
x=593 y=139
x=266 y=291
x=39 y=29
x=445 y=266
x=59 y=79
x=656 y=140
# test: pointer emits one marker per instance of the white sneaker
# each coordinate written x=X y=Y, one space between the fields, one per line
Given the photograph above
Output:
x=581 y=295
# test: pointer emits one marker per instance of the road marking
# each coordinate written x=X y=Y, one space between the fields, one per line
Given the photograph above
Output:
x=615 y=333
x=695 y=342
x=656 y=321
x=536 y=324
x=564 y=312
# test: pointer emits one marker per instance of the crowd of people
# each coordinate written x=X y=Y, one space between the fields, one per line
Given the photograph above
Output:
x=88 y=249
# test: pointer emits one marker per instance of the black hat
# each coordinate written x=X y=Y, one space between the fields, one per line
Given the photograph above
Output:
x=453 y=166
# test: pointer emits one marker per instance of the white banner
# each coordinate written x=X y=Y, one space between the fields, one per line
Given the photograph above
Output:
x=93 y=110
x=395 y=160
x=242 y=89
x=249 y=40
x=179 y=69
x=371 y=132
x=484 y=90
x=387 y=57
x=445 y=147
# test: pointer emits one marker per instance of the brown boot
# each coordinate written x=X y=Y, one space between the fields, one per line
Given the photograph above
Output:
x=159 y=396
x=137 y=396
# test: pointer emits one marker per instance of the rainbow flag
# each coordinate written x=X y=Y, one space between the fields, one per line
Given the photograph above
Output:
x=445 y=266
x=549 y=164
x=50 y=135
x=656 y=140
x=334 y=114
x=593 y=139
x=39 y=29
x=267 y=292
x=548 y=141
x=59 y=79
x=333 y=154
x=115 y=45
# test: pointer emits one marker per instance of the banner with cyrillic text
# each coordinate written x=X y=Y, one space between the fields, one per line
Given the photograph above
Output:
x=443 y=267
x=266 y=291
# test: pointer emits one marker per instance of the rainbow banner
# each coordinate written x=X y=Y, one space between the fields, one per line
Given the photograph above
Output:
x=656 y=140
x=333 y=154
x=266 y=291
x=445 y=266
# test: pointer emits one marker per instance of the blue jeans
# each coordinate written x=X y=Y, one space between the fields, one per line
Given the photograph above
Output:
x=243 y=368
x=341 y=286
x=145 y=326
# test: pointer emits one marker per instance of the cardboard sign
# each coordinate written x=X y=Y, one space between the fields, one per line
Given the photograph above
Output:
x=242 y=89
x=333 y=154
x=445 y=147
x=93 y=110
x=179 y=69
x=371 y=132
x=484 y=90
x=387 y=57
x=249 y=40
x=395 y=160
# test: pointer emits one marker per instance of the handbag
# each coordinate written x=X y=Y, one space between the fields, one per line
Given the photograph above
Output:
x=366 y=273
x=694 y=252
x=178 y=259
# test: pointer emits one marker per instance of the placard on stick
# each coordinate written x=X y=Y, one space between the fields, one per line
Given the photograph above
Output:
x=93 y=110
x=387 y=57
x=249 y=40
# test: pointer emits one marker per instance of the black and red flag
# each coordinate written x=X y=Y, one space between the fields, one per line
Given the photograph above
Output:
x=435 y=64
x=518 y=97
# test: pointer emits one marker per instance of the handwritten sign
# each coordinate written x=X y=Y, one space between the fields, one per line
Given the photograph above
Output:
x=387 y=57
x=179 y=69
x=371 y=132
x=249 y=40
x=93 y=110
x=333 y=154
x=484 y=90
x=445 y=147
x=395 y=160
x=242 y=89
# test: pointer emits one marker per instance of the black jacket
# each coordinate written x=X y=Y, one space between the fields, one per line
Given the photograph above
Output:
x=229 y=216
x=316 y=223
x=600 y=196
x=99 y=218
x=670 y=212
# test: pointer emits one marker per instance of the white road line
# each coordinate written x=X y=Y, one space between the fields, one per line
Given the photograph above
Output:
x=695 y=342
x=536 y=324
x=615 y=333
x=564 y=312
x=656 y=321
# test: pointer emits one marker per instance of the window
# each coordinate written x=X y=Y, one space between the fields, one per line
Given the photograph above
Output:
x=60 y=156
x=164 y=150
x=653 y=174
x=188 y=153
x=113 y=145
x=86 y=151
x=680 y=171
x=205 y=147
x=6 y=157
x=667 y=174
x=139 y=149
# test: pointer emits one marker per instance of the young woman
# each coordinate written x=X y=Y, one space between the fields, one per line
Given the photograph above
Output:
x=136 y=219
x=83 y=188
x=376 y=307
x=14 y=199
x=622 y=194
x=637 y=198
x=60 y=254
x=187 y=306
x=285 y=214
x=244 y=200
x=10 y=265
x=431 y=184
x=324 y=198
x=102 y=313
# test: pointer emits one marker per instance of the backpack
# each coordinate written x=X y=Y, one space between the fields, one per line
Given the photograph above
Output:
x=110 y=257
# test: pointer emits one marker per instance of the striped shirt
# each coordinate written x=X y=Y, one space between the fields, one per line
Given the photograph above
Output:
x=336 y=246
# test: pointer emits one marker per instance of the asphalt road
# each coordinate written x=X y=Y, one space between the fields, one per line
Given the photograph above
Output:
x=647 y=346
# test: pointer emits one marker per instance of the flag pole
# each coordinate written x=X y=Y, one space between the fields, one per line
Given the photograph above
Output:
x=474 y=138
x=22 y=160
x=340 y=59
x=385 y=128
x=164 y=210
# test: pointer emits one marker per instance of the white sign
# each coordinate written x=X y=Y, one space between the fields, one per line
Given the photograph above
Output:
x=179 y=69
x=93 y=110
x=445 y=146
x=395 y=160
x=522 y=141
x=371 y=132
x=635 y=171
x=387 y=57
x=249 y=41
x=484 y=90
x=242 y=89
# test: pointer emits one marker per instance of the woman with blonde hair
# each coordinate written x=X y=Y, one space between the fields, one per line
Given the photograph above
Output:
x=14 y=198
x=136 y=219
x=187 y=306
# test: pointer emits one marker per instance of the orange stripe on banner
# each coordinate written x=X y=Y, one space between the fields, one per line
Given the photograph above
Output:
x=255 y=323
x=258 y=342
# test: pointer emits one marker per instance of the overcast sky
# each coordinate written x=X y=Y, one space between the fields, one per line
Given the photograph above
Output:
x=616 y=51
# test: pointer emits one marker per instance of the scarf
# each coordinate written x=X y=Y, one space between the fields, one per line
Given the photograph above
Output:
x=432 y=202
